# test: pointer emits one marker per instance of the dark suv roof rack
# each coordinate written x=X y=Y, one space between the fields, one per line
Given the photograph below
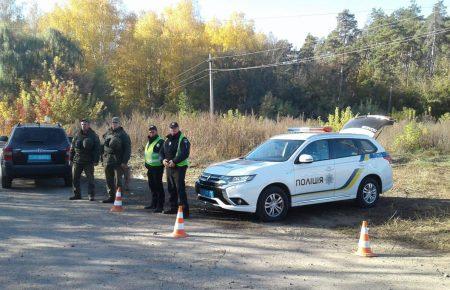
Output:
x=37 y=124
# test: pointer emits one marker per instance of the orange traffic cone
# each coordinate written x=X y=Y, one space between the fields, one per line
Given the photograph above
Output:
x=178 y=230
x=117 y=207
x=364 y=249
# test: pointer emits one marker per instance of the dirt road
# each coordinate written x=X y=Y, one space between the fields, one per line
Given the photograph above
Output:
x=47 y=242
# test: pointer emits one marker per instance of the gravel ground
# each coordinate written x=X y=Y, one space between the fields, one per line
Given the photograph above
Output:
x=48 y=242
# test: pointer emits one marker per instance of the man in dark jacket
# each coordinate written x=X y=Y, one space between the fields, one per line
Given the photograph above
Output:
x=174 y=156
x=155 y=169
x=116 y=152
x=84 y=154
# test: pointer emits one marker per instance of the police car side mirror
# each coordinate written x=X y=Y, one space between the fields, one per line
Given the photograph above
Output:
x=3 y=138
x=305 y=158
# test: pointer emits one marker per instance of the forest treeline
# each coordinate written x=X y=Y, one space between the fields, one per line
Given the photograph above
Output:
x=92 y=57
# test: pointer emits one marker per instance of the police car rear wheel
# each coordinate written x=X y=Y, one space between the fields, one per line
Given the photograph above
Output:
x=368 y=192
x=272 y=204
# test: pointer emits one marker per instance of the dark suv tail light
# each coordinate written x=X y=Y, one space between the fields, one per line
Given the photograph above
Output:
x=68 y=153
x=7 y=153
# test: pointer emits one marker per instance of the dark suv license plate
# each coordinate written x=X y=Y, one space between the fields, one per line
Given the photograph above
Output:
x=206 y=193
x=39 y=158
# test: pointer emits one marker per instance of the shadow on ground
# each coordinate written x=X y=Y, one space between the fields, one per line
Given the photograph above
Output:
x=345 y=214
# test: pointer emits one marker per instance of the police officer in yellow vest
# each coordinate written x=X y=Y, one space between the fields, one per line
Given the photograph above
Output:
x=155 y=169
x=174 y=156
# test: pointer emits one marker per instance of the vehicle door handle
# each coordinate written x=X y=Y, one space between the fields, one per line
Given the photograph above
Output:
x=329 y=168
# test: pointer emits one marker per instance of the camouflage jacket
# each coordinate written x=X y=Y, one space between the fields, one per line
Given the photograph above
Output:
x=85 y=148
x=116 y=147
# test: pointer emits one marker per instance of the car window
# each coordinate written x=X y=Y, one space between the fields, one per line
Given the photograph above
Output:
x=274 y=150
x=31 y=137
x=318 y=150
x=344 y=148
x=365 y=146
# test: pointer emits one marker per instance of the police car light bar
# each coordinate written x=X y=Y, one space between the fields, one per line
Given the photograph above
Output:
x=310 y=130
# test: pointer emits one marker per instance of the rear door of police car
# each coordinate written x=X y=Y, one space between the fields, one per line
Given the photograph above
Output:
x=346 y=156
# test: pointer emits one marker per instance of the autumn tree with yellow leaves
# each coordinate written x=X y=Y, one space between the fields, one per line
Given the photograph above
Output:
x=127 y=62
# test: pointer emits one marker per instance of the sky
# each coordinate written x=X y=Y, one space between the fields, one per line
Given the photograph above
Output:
x=285 y=19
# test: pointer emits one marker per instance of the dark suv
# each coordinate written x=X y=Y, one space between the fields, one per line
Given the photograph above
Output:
x=35 y=151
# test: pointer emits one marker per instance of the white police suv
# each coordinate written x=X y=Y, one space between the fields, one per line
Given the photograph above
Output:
x=305 y=166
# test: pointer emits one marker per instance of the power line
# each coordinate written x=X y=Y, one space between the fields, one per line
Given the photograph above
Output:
x=391 y=23
x=192 y=76
x=188 y=70
x=249 y=53
x=288 y=46
x=316 y=14
x=329 y=55
x=183 y=85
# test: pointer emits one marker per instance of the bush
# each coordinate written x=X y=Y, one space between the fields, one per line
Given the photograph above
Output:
x=410 y=139
x=405 y=114
x=57 y=100
x=340 y=117
x=445 y=117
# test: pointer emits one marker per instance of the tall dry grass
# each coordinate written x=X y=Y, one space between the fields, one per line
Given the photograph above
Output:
x=232 y=135
x=227 y=136
x=435 y=136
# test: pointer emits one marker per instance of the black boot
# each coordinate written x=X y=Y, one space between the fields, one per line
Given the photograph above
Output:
x=152 y=206
x=158 y=210
x=185 y=213
x=75 y=197
x=91 y=198
x=171 y=211
x=109 y=200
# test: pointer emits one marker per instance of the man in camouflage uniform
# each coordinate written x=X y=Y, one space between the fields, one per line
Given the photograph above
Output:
x=84 y=155
x=116 y=152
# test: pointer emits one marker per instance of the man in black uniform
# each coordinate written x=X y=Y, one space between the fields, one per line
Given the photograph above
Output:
x=174 y=156
x=155 y=169
x=84 y=154
x=116 y=152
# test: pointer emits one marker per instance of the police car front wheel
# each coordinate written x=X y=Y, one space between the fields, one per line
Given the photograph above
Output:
x=272 y=204
x=368 y=192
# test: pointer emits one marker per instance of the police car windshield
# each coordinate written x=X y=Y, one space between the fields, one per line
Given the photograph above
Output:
x=274 y=150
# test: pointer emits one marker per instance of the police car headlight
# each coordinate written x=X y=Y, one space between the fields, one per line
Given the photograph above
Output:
x=235 y=179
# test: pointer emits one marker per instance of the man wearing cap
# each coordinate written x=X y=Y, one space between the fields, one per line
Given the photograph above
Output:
x=116 y=152
x=84 y=154
x=155 y=169
x=174 y=156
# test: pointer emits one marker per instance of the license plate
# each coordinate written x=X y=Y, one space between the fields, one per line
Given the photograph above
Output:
x=40 y=157
x=206 y=193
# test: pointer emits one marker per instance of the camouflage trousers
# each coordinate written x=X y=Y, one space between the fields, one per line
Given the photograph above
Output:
x=77 y=170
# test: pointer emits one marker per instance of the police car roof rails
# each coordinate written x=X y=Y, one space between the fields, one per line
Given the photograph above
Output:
x=325 y=129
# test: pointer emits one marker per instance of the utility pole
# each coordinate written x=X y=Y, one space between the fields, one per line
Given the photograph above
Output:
x=390 y=100
x=433 y=45
x=211 y=89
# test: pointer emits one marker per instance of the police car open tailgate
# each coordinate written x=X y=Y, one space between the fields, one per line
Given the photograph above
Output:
x=368 y=125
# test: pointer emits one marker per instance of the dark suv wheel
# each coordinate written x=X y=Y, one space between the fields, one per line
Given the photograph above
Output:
x=6 y=181
x=368 y=192
x=273 y=204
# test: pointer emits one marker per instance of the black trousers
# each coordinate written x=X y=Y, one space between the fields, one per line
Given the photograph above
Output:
x=155 y=183
x=177 y=187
